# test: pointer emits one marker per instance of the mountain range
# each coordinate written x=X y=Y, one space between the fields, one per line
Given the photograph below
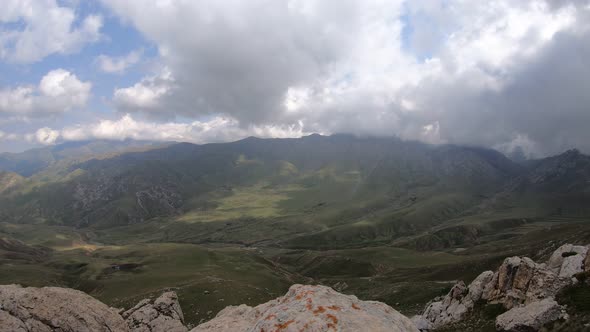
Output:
x=367 y=214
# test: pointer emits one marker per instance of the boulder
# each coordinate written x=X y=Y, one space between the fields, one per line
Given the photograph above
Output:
x=54 y=309
x=531 y=317
x=455 y=305
x=310 y=308
x=519 y=280
x=510 y=283
x=568 y=260
x=160 y=315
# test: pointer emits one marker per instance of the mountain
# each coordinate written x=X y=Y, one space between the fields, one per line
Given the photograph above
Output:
x=229 y=223
x=33 y=161
x=337 y=170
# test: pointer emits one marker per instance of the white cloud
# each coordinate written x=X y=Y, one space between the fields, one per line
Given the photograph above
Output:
x=522 y=142
x=213 y=130
x=145 y=95
x=119 y=64
x=45 y=136
x=47 y=28
x=58 y=91
x=455 y=71
x=217 y=129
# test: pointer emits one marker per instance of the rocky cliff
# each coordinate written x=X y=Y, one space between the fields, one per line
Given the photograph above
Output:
x=523 y=287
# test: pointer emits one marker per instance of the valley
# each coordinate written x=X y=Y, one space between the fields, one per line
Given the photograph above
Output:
x=222 y=224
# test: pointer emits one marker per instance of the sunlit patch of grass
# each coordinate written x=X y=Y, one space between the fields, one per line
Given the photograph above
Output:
x=259 y=201
x=89 y=247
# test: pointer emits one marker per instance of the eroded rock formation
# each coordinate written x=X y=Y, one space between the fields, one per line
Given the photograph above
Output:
x=310 y=308
x=54 y=309
x=303 y=308
x=455 y=305
x=160 y=315
x=524 y=287
x=531 y=317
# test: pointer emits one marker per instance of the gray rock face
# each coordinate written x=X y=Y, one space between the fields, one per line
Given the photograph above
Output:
x=518 y=282
x=455 y=305
x=54 y=309
x=510 y=284
x=310 y=308
x=531 y=317
x=161 y=315
x=568 y=260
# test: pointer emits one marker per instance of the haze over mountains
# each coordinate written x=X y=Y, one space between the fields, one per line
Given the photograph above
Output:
x=105 y=184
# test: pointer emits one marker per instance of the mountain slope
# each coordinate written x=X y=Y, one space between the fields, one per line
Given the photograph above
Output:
x=36 y=160
x=137 y=186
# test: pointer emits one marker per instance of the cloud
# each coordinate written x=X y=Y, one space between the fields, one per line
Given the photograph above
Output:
x=33 y=29
x=458 y=72
x=118 y=65
x=226 y=58
x=217 y=129
x=58 y=91
x=146 y=95
x=498 y=73
x=45 y=136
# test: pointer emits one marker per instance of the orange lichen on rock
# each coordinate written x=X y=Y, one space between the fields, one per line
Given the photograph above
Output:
x=304 y=328
x=319 y=310
x=283 y=326
x=304 y=294
x=333 y=318
x=324 y=311
x=309 y=304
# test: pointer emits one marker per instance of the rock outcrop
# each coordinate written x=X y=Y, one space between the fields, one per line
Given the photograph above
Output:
x=568 y=260
x=455 y=305
x=310 y=308
x=524 y=287
x=531 y=317
x=161 y=315
x=54 y=309
x=303 y=308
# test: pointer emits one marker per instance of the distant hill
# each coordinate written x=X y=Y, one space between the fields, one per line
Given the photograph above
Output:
x=33 y=161
x=346 y=189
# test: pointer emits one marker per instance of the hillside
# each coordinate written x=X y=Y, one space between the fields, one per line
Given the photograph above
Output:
x=382 y=218
x=36 y=160
x=521 y=295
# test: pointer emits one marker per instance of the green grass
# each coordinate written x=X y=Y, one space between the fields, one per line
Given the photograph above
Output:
x=260 y=201
x=228 y=275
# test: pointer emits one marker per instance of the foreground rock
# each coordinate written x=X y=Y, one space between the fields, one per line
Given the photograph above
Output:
x=161 y=315
x=54 y=309
x=455 y=305
x=519 y=284
x=303 y=308
x=531 y=317
x=310 y=308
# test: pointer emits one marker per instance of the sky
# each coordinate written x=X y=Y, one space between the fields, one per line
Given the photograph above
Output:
x=503 y=74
